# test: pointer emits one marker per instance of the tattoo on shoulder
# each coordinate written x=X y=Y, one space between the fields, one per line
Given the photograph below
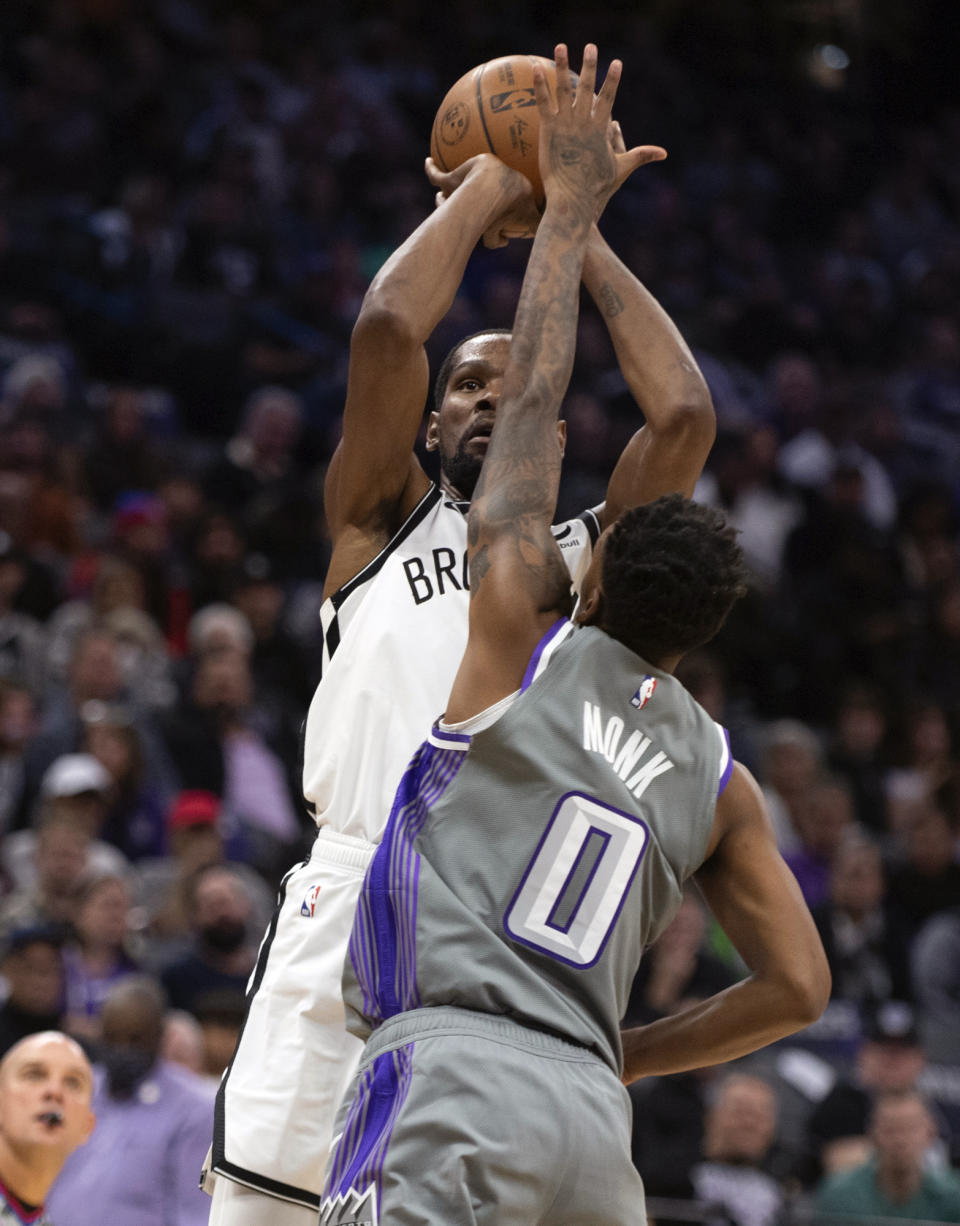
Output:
x=610 y=301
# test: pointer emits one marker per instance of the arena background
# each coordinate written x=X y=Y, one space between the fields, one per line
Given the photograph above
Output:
x=193 y=198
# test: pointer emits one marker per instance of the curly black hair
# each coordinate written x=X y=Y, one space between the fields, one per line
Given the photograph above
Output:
x=671 y=572
x=443 y=374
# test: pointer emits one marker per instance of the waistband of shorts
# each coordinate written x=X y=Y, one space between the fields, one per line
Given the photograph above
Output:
x=337 y=848
x=449 y=1020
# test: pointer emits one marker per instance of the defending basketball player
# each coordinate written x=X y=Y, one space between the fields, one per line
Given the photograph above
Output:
x=541 y=836
x=395 y=624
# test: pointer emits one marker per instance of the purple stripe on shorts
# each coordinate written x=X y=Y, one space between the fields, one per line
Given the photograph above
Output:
x=358 y=1159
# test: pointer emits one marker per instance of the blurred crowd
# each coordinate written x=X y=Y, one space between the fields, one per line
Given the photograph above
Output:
x=193 y=198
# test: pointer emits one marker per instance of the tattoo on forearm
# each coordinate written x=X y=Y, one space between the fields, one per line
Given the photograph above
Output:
x=479 y=565
x=610 y=301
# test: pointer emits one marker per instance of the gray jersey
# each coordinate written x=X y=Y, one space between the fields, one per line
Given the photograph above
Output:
x=525 y=867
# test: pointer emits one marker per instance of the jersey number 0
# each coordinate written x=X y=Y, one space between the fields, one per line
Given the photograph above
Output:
x=574 y=887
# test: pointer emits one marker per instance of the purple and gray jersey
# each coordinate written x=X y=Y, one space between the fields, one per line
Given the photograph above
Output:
x=526 y=866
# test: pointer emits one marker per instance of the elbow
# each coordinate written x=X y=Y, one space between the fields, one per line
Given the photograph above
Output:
x=807 y=990
x=383 y=325
x=693 y=421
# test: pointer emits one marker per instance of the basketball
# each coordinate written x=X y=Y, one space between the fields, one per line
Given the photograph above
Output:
x=492 y=109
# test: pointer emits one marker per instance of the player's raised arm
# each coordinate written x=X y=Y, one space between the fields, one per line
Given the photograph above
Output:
x=374 y=479
x=667 y=455
x=756 y=900
x=518 y=583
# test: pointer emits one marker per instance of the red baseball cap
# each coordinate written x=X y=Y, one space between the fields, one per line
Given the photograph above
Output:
x=194 y=809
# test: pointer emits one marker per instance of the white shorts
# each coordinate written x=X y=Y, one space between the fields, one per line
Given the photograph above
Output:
x=294 y=1060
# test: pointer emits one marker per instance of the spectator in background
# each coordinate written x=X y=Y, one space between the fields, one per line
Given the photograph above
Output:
x=45 y=1089
x=75 y=789
x=935 y=963
x=220 y=1013
x=792 y=763
x=743 y=482
x=223 y=950
x=95 y=957
x=22 y=640
x=60 y=863
x=165 y=884
x=136 y=819
x=121 y=456
x=217 y=551
x=95 y=675
x=896 y=1180
x=182 y=1041
x=156 y=1115
x=856 y=754
x=927 y=877
x=116 y=585
x=283 y=676
x=889 y=1058
x=215 y=740
x=18 y=723
x=260 y=461
x=821 y=819
x=739 y=1134
x=926 y=761
x=867 y=951
x=31 y=968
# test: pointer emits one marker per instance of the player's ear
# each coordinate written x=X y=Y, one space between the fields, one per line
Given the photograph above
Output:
x=590 y=609
x=433 y=432
x=562 y=436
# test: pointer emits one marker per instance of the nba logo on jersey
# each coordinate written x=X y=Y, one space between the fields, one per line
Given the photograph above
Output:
x=308 y=906
x=645 y=692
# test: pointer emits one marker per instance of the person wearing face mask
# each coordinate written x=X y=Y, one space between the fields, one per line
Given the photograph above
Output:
x=222 y=954
x=153 y=1123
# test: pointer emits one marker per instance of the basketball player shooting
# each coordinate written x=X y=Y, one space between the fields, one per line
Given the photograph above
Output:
x=395 y=624
x=542 y=835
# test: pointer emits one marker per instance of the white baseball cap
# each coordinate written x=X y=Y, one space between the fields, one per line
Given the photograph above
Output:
x=73 y=774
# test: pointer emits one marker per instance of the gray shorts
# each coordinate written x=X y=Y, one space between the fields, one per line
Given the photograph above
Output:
x=458 y=1118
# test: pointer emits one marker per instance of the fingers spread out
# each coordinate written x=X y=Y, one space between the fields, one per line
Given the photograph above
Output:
x=564 y=84
x=588 y=73
x=608 y=90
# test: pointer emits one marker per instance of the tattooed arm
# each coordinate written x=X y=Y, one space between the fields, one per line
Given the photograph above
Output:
x=374 y=480
x=668 y=453
x=518 y=583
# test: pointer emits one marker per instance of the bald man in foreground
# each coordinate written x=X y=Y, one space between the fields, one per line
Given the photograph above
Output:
x=45 y=1088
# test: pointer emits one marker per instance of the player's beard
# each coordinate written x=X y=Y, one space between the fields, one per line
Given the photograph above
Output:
x=462 y=470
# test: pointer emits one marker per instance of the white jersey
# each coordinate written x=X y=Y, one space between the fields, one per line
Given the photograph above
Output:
x=394 y=636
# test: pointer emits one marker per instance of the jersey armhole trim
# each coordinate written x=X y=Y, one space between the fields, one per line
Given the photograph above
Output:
x=416 y=516
x=726 y=758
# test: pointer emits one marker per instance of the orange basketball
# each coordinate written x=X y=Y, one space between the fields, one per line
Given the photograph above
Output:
x=492 y=109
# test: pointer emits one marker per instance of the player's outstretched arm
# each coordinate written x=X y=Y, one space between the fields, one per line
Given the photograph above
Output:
x=518 y=583
x=756 y=900
x=374 y=479
x=667 y=455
